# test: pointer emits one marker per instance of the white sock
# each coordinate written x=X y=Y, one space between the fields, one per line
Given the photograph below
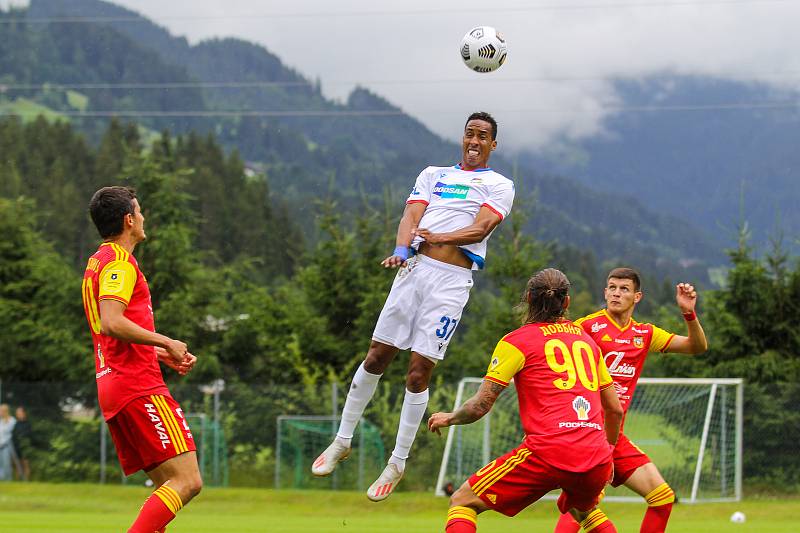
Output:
x=361 y=390
x=414 y=405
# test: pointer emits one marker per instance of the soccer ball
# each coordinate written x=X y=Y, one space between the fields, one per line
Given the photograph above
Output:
x=483 y=49
x=738 y=517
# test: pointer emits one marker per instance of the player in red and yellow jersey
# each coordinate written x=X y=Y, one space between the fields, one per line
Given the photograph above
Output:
x=569 y=411
x=146 y=424
x=625 y=344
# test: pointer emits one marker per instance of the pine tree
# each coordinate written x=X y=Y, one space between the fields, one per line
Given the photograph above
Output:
x=43 y=332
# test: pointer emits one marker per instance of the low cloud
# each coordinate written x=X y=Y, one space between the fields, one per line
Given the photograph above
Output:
x=563 y=54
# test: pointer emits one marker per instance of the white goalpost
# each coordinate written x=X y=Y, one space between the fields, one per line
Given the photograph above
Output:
x=690 y=428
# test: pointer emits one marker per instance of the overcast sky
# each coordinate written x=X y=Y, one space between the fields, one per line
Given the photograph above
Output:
x=562 y=53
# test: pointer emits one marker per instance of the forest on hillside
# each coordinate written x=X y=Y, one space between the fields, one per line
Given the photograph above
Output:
x=267 y=311
x=280 y=124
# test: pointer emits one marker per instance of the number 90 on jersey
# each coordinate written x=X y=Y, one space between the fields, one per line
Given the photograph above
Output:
x=572 y=363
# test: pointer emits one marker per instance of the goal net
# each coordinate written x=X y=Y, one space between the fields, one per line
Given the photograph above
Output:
x=690 y=428
x=302 y=438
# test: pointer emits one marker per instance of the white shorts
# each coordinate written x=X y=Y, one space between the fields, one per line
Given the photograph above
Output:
x=424 y=306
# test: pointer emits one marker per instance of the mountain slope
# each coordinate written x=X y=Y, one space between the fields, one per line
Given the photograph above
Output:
x=718 y=153
x=369 y=146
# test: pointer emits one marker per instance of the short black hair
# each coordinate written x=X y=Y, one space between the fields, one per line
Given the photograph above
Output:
x=483 y=115
x=626 y=273
x=108 y=208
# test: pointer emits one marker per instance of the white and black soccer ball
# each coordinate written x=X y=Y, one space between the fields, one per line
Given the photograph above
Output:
x=738 y=517
x=483 y=49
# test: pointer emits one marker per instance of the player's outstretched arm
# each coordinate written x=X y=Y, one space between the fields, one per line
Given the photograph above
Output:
x=612 y=411
x=695 y=342
x=114 y=323
x=471 y=410
x=484 y=223
x=405 y=234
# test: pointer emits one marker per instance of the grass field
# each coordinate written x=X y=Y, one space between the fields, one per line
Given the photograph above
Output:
x=82 y=507
x=28 y=110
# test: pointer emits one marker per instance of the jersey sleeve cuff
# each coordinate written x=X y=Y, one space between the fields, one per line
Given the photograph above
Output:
x=495 y=380
x=666 y=344
x=426 y=202
x=115 y=298
x=494 y=210
x=607 y=385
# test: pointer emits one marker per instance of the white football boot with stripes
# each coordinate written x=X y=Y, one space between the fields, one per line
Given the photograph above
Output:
x=385 y=484
x=327 y=460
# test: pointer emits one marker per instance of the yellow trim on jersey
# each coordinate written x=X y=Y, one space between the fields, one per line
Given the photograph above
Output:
x=170 y=423
x=630 y=323
x=660 y=340
x=580 y=321
x=120 y=253
x=170 y=497
x=495 y=475
x=91 y=306
x=603 y=374
x=506 y=361
x=117 y=280
x=464 y=513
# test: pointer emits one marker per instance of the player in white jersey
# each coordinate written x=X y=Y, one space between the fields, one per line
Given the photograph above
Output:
x=441 y=238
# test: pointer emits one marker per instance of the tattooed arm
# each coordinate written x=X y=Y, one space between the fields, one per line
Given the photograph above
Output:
x=472 y=410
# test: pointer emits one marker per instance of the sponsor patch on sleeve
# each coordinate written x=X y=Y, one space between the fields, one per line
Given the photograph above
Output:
x=117 y=280
x=113 y=281
x=506 y=361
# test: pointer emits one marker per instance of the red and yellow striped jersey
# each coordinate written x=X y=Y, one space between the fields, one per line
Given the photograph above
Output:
x=559 y=373
x=124 y=371
x=625 y=348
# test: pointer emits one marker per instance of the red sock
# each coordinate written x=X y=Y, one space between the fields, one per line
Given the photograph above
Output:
x=659 y=507
x=567 y=524
x=461 y=520
x=158 y=511
x=598 y=522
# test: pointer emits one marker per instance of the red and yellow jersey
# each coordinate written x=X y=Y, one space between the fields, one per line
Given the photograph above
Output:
x=124 y=371
x=625 y=348
x=558 y=372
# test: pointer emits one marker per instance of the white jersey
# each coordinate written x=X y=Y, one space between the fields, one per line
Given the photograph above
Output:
x=453 y=198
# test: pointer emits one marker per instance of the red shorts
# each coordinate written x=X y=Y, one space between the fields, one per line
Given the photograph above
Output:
x=148 y=431
x=627 y=458
x=517 y=479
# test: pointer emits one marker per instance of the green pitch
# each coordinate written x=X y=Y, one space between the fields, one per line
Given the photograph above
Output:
x=77 y=507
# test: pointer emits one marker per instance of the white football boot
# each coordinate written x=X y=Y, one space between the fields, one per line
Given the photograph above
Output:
x=385 y=484
x=327 y=460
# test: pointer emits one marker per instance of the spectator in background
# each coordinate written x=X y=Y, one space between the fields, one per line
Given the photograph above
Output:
x=21 y=437
x=7 y=423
